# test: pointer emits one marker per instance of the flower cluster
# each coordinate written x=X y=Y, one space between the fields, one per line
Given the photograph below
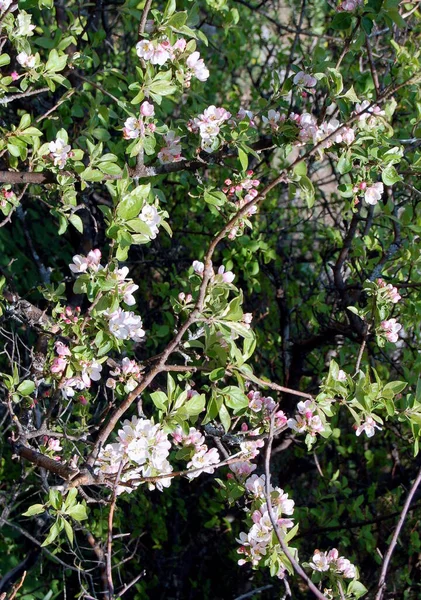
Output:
x=259 y=540
x=388 y=291
x=159 y=52
x=391 y=329
x=128 y=374
x=309 y=130
x=369 y=426
x=135 y=128
x=82 y=264
x=60 y=152
x=7 y=200
x=142 y=446
x=203 y=460
x=372 y=193
x=171 y=152
x=305 y=420
x=24 y=26
x=263 y=406
x=222 y=276
x=331 y=561
x=208 y=125
x=370 y=114
x=125 y=325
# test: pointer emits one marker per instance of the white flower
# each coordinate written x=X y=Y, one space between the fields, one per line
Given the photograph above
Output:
x=60 y=151
x=4 y=5
x=374 y=193
x=273 y=119
x=124 y=325
x=369 y=426
x=197 y=65
x=151 y=217
x=25 y=28
x=26 y=60
x=227 y=276
x=305 y=79
x=198 y=267
x=132 y=128
x=203 y=461
x=320 y=561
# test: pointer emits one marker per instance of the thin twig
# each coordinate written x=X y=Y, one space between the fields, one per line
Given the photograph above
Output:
x=382 y=581
x=110 y=535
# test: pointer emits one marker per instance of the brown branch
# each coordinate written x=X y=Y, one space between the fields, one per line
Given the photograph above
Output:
x=382 y=581
x=144 y=18
x=110 y=535
x=40 y=460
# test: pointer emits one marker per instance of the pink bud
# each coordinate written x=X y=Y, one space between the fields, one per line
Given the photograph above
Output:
x=83 y=400
x=14 y=75
x=147 y=109
x=363 y=185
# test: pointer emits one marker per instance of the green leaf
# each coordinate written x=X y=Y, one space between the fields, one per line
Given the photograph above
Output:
x=77 y=512
x=35 y=509
x=26 y=387
x=244 y=159
x=53 y=534
x=215 y=197
x=77 y=222
x=195 y=405
x=4 y=60
x=225 y=417
x=69 y=531
x=390 y=175
x=129 y=207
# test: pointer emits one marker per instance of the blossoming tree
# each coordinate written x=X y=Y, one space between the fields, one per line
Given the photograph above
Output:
x=209 y=299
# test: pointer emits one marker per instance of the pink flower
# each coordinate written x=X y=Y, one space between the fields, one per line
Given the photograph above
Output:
x=62 y=349
x=147 y=109
x=54 y=445
x=391 y=329
x=227 y=277
x=180 y=45
x=58 y=365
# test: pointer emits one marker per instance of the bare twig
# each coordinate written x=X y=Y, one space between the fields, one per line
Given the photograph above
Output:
x=110 y=535
x=382 y=581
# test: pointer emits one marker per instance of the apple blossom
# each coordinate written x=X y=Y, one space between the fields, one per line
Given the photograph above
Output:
x=132 y=128
x=147 y=109
x=305 y=79
x=227 y=276
x=60 y=152
x=198 y=267
x=125 y=325
x=24 y=25
x=391 y=329
x=203 y=461
x=273 y=119
x=26 y=60
x=374 y=193
x=369 y=426
x=151 y=217
x=197 y=66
